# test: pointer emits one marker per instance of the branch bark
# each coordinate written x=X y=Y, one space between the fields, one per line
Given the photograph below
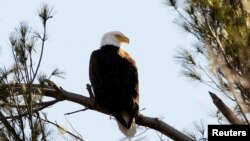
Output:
x=226 y=111
x=164 y=128
x=88 y=102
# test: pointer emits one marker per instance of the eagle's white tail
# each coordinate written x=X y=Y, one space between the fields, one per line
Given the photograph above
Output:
x=127 y=132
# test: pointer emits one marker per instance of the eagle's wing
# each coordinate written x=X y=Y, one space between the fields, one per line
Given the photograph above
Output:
x=130 y=91
x=94 y=72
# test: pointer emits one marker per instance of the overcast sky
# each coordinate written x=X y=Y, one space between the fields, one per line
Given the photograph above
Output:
x=76 y=30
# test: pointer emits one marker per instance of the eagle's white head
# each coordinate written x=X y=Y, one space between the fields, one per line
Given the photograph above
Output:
x=115 y=38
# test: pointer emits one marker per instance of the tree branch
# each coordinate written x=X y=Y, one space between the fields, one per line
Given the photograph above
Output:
x=162 y=127
x=89 y=103
x=42 y=106
x=9 y=127
x=61 y=128
x=226 y=111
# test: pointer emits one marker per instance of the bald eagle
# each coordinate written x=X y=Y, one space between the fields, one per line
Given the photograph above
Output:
x=114 y=78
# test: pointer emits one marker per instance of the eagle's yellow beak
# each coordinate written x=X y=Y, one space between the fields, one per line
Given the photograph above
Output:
x=122 y=39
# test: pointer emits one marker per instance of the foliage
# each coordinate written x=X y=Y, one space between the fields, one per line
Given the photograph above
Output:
x=221 y=57
x=20 y=103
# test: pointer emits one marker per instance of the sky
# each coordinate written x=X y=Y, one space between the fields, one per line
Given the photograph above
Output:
x=76 y=30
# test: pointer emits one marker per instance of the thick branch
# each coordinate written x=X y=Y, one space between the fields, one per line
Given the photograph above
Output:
x=226 y=111
x=162 y=127
x=87 y=102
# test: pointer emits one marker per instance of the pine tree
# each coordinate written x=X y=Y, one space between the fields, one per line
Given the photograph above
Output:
x=221 y=56
x=21 y=103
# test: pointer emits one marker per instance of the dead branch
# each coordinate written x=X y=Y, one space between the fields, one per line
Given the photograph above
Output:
x=226 y=111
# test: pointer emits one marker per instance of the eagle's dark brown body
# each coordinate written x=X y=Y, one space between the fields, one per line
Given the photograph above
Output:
x=114 y=78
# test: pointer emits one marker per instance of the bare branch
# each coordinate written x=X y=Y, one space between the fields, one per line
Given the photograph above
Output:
x=227 y=112
x=76 y=111
x=162 y=127
x=89 y=88
x=73 y=128
x=61 y=128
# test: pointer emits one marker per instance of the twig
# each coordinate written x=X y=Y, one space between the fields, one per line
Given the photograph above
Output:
x=52 y=84
x=41 y=53
x=147 y=128
x=9 y=127
x=85 y=109
x=43 y=106
x=72 y=127
x=91 y=94
x=58 y=126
